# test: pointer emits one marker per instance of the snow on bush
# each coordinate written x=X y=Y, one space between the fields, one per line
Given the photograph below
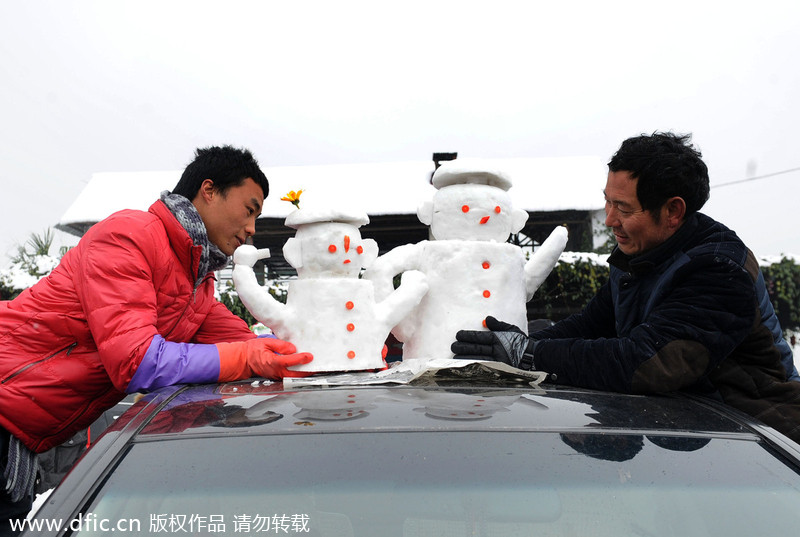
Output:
x=21 y=275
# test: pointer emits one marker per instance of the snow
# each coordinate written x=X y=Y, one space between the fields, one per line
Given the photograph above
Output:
x=109 y=192
x=767 y=260
x=765 y=220
x=38 y=502
x=540 y=184
x=17 y=277
x=585 y=257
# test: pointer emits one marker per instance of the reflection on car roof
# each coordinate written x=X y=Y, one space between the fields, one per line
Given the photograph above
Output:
x=245 y=408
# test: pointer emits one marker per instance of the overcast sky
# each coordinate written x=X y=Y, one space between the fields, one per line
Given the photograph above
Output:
x=90 y=86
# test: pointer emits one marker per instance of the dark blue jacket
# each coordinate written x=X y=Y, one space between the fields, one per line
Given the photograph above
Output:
x=692 y=314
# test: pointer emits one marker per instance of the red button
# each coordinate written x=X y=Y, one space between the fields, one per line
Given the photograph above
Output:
x=351 y=327
x=487 y=294
x=351 y=355
x=486 y=264
x=349 y=305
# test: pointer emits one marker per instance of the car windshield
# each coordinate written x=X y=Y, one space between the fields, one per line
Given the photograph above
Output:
x=450 y=483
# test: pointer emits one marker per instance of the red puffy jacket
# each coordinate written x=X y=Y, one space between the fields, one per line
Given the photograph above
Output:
x=70 y=344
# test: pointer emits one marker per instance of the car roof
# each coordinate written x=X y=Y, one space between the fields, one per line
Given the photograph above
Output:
x=263 y=407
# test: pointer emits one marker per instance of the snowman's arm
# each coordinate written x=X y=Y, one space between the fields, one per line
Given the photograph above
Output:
x=383 y=270
x=402 y=301
x=544 y=259
x=256 y=298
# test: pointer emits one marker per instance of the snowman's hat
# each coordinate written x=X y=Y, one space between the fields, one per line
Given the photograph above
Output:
x=301 y=217
x=470 y=171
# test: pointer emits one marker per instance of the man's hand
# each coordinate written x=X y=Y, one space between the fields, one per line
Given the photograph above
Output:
x=264 y=356
x=502 y=343
x=271 y=358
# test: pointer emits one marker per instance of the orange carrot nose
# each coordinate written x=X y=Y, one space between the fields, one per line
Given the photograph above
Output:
x=346 y=243
x=484 y=219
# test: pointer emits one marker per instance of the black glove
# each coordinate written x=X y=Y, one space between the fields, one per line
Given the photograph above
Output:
x=502 y=343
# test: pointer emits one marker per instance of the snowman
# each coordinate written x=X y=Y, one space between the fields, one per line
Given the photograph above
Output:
x=472 y=271
x=329 y=311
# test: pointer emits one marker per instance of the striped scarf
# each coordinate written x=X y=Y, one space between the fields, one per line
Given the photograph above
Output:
x=22 y=465
x=211 y=258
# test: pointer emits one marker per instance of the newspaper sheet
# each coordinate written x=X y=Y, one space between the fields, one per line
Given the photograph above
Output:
x=421 y=371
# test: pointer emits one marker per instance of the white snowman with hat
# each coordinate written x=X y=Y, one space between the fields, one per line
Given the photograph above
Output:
x=472 y=271
x=329 y=311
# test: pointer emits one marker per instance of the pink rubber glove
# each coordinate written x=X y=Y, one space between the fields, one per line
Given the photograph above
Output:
x=266 y=357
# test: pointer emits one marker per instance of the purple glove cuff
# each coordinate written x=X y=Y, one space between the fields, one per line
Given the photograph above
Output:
x=166 y=363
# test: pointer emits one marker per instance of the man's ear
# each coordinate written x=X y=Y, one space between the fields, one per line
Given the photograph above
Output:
x=675 y=209
x=207 y=190
x=425 y=212
x=203 y=198
x=293 y=252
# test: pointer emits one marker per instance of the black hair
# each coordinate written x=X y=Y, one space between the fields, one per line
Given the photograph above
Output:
x=226 y=166
x=666 y=165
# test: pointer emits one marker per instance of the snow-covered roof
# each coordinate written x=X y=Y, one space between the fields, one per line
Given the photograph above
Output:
x=539 y=184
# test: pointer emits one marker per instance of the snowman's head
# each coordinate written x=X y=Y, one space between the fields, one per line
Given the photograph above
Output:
x=471 y=203
x=328 y=246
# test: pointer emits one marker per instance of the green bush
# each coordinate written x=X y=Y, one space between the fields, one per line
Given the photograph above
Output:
x=230 y=298
x=567 y=289
x=234 y=303
x=783 y=285
x=571 y=285
x=8 y=292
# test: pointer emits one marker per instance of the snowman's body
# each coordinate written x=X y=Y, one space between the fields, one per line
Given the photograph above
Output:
x=335 y=319
x=329 y=311
x=472 y=271
x=468 y=281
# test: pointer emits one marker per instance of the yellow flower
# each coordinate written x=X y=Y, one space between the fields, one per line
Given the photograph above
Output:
x=293 y=197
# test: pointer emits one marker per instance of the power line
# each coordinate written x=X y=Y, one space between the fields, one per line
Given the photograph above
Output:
x=756 y=178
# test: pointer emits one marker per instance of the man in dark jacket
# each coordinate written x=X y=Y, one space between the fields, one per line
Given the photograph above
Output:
x=685 y=307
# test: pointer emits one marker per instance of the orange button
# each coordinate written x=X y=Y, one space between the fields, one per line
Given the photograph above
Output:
x=351 y=327
x=487 y=294
x=351 y=355
x=349 y=305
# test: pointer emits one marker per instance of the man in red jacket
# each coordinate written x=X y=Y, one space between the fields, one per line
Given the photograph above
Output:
x=130 y=309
